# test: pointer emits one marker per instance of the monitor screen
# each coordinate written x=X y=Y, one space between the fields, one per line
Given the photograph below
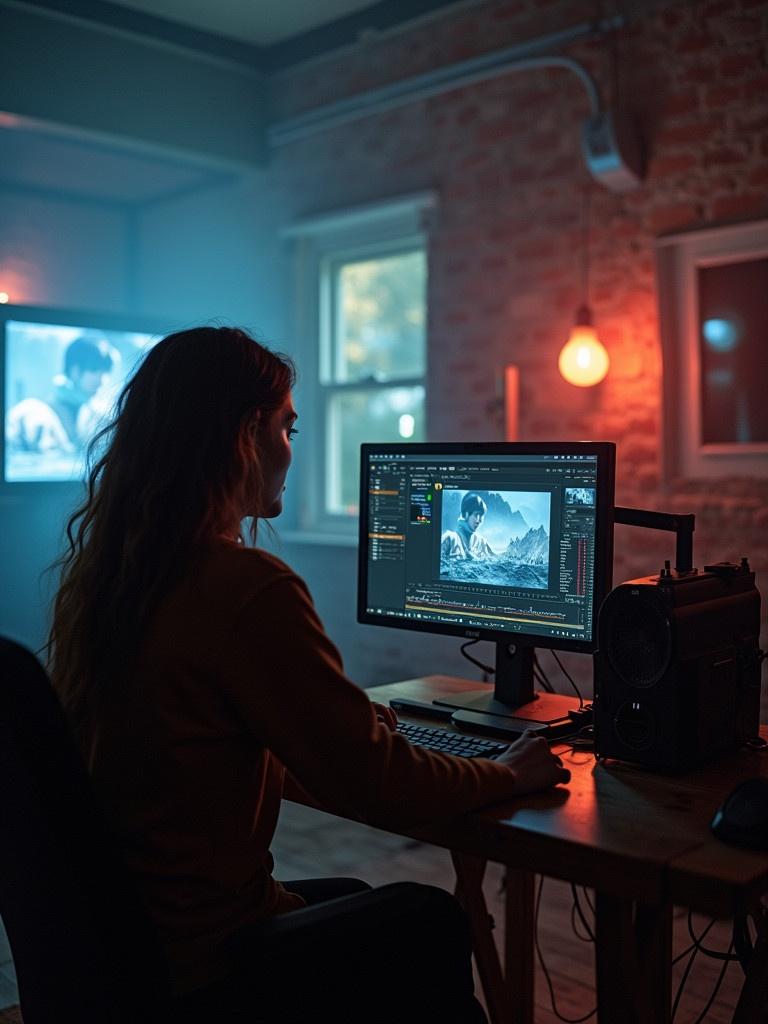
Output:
x=509 y=541
x=62 y=375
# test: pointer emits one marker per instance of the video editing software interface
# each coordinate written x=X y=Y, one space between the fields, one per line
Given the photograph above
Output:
x=502 y=542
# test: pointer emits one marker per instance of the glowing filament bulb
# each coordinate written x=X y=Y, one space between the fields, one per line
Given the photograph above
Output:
x=583 y=360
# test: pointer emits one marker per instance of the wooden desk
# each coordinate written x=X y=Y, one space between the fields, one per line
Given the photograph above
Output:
x=640 y=840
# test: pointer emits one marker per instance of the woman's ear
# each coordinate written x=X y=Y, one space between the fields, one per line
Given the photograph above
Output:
x=253 y=425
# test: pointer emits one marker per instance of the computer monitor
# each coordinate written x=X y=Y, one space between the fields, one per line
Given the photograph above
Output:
x=60 y=374
x=507 y=542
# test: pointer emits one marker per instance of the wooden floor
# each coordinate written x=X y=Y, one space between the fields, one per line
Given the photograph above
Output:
x=311 y=844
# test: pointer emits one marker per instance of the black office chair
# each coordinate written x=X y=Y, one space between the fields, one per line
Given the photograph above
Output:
x=82 y=947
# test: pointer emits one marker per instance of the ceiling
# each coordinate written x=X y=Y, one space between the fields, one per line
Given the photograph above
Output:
x=42 y=163
x=258 y=22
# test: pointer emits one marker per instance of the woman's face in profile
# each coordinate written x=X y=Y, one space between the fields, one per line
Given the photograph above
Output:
x=274 y=443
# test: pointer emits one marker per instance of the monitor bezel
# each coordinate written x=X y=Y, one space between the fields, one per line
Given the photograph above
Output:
x=64 y=317
x=606 y=477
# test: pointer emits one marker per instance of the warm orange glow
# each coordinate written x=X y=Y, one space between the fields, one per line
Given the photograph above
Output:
x=583 y=360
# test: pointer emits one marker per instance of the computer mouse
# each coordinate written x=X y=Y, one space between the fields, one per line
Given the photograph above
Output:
x=742 y=819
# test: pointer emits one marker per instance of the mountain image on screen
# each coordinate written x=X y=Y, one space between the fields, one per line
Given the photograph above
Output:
x=505 y=549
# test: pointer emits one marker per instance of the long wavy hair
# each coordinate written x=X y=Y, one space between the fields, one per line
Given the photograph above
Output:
x=172 y=470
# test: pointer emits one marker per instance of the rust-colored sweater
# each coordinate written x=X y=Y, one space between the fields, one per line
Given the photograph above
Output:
x=237 y=681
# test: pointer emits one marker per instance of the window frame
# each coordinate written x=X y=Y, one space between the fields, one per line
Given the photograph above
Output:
x=320 y=246
x=678 y=259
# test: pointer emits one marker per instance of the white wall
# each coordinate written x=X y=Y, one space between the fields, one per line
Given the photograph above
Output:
x=214 y=254
x=58 y=252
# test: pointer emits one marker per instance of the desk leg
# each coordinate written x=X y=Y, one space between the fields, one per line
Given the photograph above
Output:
x=520 y=966
x=752 y=1007
x=633 y=959
x=469 y=891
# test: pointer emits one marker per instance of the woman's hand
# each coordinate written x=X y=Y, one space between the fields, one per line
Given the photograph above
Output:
x=534 y=764
x=385 y=715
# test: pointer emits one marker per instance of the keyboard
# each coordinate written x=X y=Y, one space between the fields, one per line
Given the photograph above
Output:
x=445 y=742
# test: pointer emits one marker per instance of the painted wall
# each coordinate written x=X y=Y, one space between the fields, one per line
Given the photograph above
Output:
x=198 y=257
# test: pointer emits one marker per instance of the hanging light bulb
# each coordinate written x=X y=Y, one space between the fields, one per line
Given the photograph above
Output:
x=583 y=360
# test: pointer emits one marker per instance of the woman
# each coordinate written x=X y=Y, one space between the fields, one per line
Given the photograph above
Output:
x=202 y=688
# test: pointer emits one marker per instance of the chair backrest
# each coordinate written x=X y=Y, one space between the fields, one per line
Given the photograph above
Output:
x=82 y=947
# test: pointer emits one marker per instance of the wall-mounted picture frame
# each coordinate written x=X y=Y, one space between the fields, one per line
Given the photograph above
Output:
x=713 y=318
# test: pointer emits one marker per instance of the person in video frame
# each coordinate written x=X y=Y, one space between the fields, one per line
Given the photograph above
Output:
x=465 y=541
x=68 y=421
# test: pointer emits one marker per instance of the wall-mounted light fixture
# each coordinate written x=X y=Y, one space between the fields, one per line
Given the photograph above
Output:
x=583 y=360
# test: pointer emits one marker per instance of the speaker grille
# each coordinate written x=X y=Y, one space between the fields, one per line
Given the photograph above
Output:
x=636 y=638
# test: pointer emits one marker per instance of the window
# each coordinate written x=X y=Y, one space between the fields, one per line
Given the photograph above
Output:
x=713 y=308
x=362 y=279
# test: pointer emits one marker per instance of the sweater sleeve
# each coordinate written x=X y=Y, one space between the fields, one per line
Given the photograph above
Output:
x=285 y=678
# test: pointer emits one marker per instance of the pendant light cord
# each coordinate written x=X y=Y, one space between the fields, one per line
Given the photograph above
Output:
x=585 y=246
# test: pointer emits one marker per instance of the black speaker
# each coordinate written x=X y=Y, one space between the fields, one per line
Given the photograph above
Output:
x=677 y=670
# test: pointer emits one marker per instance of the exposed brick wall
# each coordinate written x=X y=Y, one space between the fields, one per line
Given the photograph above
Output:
x=504 y=157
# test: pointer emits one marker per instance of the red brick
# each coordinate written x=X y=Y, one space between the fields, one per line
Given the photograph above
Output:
x=467 y=115
x=752 y=123
x=756 y=87
x=739 y=206
x=741 y=28
x=698 y=73
x=722 y=157
x=717 y=96
x=759 y=176
x=667 y=218
x=680 y=103
x=536 y=250
x=735 y=64
x=672 y=163
x=694 y=42
x=671 y=19
x=694 y=132
x=716 y=7
x=509 y=10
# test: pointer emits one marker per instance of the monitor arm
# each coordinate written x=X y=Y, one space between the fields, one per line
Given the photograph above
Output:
x=681 y=524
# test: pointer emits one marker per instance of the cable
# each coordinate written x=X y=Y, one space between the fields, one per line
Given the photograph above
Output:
x=703 y=1015
x=569 y=678
x=702 y=949
x=471 y=643
x=683 y=980
x=577 y=909
x=547 y=977
x=542 y=680
x=695 y=943
x=697 y=947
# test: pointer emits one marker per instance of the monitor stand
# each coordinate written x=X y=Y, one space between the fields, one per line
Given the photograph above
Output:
x=513 y=694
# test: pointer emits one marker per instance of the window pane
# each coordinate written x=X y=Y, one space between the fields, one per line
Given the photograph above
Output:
x=733 y=340
x=354 y=417
x=379 y=318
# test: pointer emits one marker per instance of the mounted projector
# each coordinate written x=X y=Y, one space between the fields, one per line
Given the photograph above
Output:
x=612 y=151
